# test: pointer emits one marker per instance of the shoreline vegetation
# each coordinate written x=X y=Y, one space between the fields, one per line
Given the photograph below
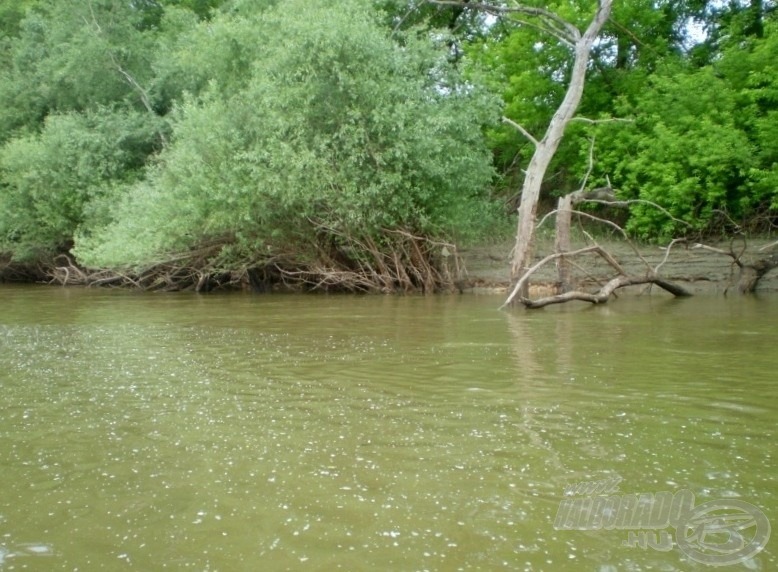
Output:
x=358 y=145
x=477 y=269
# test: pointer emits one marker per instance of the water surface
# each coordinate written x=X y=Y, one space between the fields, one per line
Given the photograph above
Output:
x=237 y=432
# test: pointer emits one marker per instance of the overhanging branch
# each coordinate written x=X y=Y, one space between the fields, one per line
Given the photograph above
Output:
x=551 y=23
x=521 y=130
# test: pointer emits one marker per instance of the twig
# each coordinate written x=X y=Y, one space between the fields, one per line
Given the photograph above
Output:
x=667 y=253
x=640 y=201
x=411 y=9
x=590 y=166
x=551 y=23
x=730 y=253
x=605 y=120
x=619 y=229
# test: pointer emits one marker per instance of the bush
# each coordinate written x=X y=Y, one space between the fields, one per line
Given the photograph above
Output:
x=341 y=132
x=54 y=181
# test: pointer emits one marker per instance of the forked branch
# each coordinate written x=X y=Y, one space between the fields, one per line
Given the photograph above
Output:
x=604 y=293
x=547 y=21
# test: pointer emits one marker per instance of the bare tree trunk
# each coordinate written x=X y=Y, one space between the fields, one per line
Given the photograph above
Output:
x=547 y=147
x=562 y=241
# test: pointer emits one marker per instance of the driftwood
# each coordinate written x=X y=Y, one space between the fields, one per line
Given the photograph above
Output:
x=751 y=268
x=566 y=290
x=604 y=293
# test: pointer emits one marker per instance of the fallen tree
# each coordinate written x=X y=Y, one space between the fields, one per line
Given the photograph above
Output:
x=748 y=267
x=566 y=288
x=621 y=280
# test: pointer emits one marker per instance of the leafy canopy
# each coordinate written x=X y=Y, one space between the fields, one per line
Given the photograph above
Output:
x=338 y=130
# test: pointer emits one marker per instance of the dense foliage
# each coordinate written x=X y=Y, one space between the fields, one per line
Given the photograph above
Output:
x=232 y=134
x=269 y=133
x=694 y=82
x=334 y=131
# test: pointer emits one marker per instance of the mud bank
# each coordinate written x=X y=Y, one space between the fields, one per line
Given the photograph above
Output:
x=699 y=271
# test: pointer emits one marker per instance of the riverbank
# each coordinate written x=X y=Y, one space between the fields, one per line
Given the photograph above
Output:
x=485 y=269
x=696 y=269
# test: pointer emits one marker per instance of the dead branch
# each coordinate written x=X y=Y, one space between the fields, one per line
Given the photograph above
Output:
x=604 y=293
x=521 y=130
x=667 y=253
x=618 y=229
x=549 y=22
x=714 y=249
x=598 y=121
x=752 y=269
x=596 y=248
x=628 y=202
x=602 y=296
x=769 y=246
x=589 y=167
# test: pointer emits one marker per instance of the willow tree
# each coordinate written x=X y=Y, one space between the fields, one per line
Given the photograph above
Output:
x=343 y=156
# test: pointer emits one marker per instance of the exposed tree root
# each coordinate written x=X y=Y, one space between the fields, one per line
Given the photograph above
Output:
x=403 y=263
x=397 y=261
x=11 y=272
x=751 y=268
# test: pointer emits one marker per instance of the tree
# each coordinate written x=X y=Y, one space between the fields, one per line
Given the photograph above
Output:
x=346 y=159
x=66 y=176
x=581 y=45
x=532 y=71
x=12 y=12
x=702 y=144
x=75 y=56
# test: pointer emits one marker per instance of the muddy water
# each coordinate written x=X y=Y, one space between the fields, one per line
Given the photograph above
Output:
x=231 y=433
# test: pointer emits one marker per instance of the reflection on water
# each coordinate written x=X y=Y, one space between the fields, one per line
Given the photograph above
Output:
x=324 y=433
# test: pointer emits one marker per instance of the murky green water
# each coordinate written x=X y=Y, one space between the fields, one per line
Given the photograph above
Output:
x=183 y=432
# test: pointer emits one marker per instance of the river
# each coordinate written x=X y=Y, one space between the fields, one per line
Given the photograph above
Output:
x=283 y=432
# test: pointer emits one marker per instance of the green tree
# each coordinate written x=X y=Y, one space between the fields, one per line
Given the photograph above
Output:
x=702 y=144
x=12 y=12
x=685 y=153
x=75 y=56
x=55 y=181
x=531 y=69
x=343 y=130
x=191 y=56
